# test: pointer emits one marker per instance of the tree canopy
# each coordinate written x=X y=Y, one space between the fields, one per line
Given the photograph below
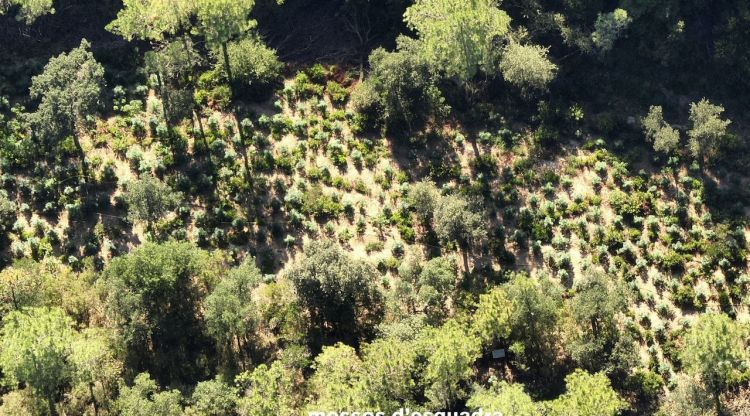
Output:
x=338 y=292
x=28 y=10
x=35 y=349
x=458 y=37
x=149 y=199
x=152 y=297
x=401 y=89
x=716 y=350
x=527 y=66
x=151 y=19
x=69 y=90
x=587 y=394
x=509 y=399
x=707 y=130
x=144 y=398
x=662 y=135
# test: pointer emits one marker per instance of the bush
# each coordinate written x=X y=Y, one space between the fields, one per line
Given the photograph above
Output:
x=211 y=92
x=7 y=212
x=685 y=296
x=336 y=151
x=338 y=94
x=400 y=91
x=317 y=73
x=255 y=67
x=374 y=246
x=630 y=204
x=672 y=261
x=304 y=88
x=318 y=204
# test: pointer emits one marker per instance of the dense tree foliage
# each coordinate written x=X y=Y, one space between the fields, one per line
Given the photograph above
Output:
x=460 y=221
x=69 y=90
x=509 y=399
x=716 y=350
x=492 y=317
x=527 y=66
x=338 y=292
x=151 y=19
x=451 y=353
x=458 y=36
x=400 y=90
x=144 y=398
x=35 y=350
x=587 y=394
x=664 y=138
x=270 y=390
x=152 y=297
x=28 y=10
x=534 y=318
x=253 y=64
x=707 y=129
x=229 y=310
x=597 y=308
x=149 y=199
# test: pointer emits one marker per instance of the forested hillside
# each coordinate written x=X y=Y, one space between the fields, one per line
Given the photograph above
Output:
x=374 y=207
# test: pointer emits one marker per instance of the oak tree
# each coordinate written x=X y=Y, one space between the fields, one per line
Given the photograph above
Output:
x=662 y=135
x=716 y=350
x=338 y=291
x=69 y=90
x=28 y=10
x=36 y=344
x=707 y=129
x=149 y=200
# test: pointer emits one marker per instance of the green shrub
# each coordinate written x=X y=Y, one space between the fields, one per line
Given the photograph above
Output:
x=304 y=88
x=400 y=92
x=374 y=246
x=672 y=261
x=317 y=73
x=7 y=212
x=212 y=92
x=629 y=204
x=339 y=95
x=337 y=152
x=255 y=67
x=316 y=203
x=685 y=296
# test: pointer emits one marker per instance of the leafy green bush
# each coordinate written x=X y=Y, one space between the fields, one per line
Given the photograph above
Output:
x=7 y=212
x=401 y=90
x=337 y=152
x=318 y=204
x=339 y=95
x=374 y=246
x=629 y=204
x=212 y=92
x=317 y=73
x=304 y=88
x=671 y=261
x=255 y=67
x=685 y=297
